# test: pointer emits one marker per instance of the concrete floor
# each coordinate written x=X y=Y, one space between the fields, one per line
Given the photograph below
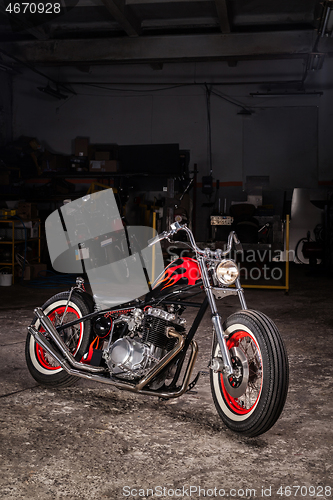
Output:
x=90 y=441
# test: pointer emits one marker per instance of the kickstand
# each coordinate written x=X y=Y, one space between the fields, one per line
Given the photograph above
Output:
x=193 y=383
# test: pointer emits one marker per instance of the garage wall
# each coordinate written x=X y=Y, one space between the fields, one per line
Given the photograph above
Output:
x=5 y=108
x=282 y=142
x=168 y=113
x=140 y=117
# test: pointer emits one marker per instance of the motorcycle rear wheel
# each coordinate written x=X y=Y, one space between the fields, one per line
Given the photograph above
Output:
x=42 y=366
x=251 y=401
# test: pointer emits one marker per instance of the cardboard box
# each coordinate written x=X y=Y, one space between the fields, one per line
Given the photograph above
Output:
x=104 y=152
x=27 y=211
x=95 y=166
x=81 y=146
x=27 y=272
x=4 y=178
x=102 y=155
x=111 y=166
x=255 y=200
x=55 y=163
x=103 y=166
x=37 y=270
x=32 y=271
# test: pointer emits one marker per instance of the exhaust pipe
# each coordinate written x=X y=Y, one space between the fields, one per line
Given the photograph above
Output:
x=51 y=330
x=171 y=332
x=72 y=367
x=45 y=344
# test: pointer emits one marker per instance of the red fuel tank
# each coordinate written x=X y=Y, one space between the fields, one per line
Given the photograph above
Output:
x=180 y=272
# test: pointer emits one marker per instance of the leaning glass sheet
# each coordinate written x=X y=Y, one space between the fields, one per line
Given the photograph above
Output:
x=128 y=278
x=87 y=235
x=152 y=258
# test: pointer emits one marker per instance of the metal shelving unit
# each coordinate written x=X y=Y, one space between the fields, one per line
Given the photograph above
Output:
x=14 y=241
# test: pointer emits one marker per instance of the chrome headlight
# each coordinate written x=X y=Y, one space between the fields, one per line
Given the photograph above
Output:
x=227 y=272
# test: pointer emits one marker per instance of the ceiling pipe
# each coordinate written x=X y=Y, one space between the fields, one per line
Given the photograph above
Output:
x=54 y=93
x=286 y=94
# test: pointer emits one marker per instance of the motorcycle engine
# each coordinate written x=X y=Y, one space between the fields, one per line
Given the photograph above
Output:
x=145 y=343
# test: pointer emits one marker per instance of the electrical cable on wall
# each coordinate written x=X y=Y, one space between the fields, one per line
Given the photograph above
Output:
x=209 y=131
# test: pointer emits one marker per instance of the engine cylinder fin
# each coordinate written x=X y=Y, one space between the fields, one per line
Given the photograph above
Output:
x=155 y=332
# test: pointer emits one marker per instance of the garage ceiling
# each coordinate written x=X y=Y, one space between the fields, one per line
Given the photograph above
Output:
x=155 y=31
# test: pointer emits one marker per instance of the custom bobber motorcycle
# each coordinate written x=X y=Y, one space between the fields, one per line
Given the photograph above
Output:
x=130 y=331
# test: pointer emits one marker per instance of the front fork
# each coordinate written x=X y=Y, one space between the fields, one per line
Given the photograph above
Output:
x=227 y=367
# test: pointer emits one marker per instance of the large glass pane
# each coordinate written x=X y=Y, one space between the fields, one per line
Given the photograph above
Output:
x=87 y=235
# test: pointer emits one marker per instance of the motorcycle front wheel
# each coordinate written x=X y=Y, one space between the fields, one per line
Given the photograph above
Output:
x=251 y=401
x=42 y=366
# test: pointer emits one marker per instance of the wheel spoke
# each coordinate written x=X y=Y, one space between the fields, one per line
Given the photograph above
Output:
x=246 y=343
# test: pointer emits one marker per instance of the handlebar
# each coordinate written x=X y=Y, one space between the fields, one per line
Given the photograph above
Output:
x=159 y=237
x=217 y=254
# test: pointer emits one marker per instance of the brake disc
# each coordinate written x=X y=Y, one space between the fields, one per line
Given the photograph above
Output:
x=236 y=384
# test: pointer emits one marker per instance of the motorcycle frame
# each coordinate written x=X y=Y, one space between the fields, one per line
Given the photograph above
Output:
x=209 y=300
x=178 y=353
x=203 y=258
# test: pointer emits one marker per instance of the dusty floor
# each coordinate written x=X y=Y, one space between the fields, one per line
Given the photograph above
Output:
x=90 y=441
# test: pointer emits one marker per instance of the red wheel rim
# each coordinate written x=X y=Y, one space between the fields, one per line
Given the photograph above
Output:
x=238 y=405
x=41 y=354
